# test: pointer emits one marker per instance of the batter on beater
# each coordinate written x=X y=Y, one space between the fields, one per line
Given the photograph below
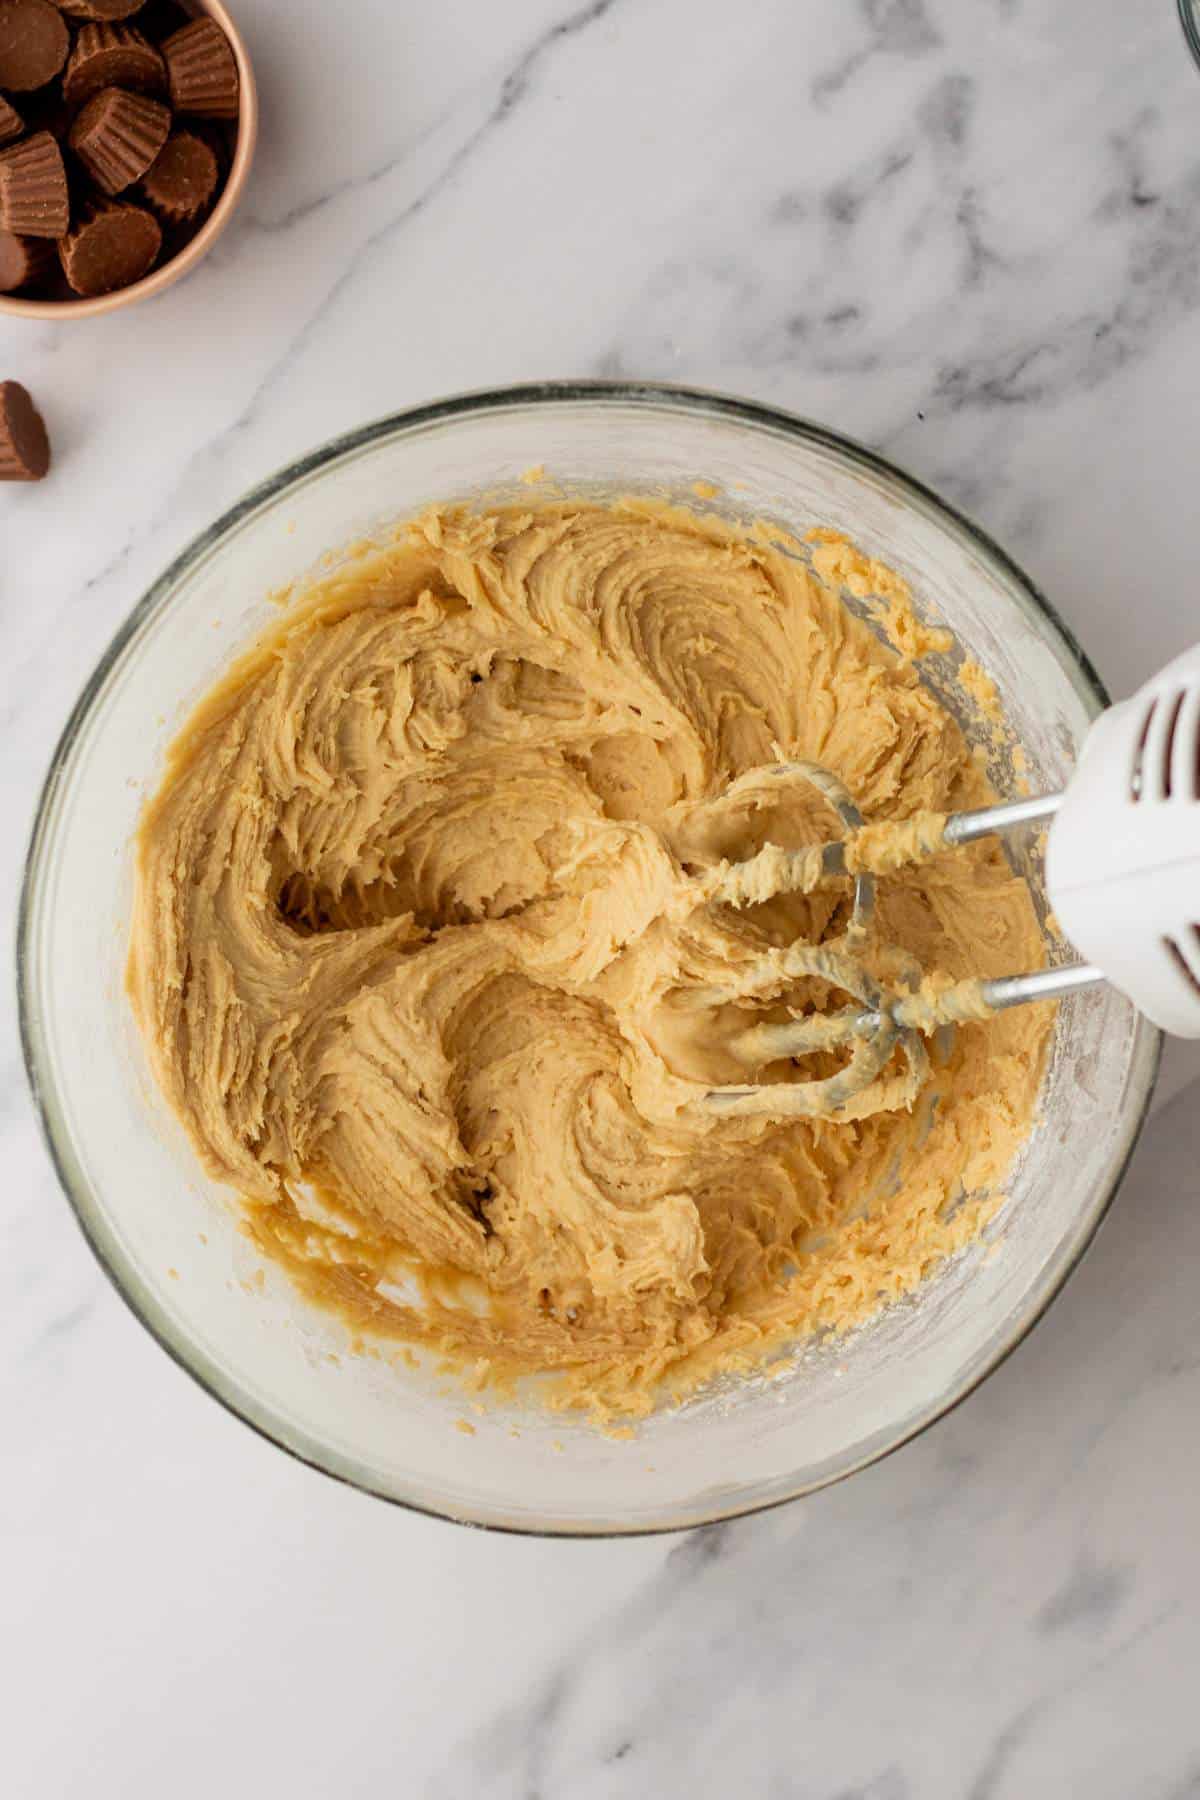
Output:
x=424 y=959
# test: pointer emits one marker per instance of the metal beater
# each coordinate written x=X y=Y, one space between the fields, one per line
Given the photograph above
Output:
x=1122 y=874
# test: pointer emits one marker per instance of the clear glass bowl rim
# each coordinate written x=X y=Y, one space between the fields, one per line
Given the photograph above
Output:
x=654 y=396
x=1190 y=21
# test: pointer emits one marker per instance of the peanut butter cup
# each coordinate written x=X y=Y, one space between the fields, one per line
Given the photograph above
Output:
x=118 y=135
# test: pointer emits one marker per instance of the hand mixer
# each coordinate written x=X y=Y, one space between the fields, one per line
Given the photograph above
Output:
x=1122 y=874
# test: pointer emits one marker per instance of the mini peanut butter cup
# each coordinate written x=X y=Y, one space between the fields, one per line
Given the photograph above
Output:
x=24 y=446
x=111 y=56
x=100 y=9
x=33 y=188
x=25 y=262
x=118 y=135
x=110 y=246
x=202 y=71
x=12 y=125
x=33 y=44
x=182 y=180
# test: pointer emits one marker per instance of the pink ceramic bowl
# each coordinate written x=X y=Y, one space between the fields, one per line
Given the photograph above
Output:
x=15 y=305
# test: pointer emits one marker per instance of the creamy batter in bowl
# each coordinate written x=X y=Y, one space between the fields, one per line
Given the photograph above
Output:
x=169 y=1236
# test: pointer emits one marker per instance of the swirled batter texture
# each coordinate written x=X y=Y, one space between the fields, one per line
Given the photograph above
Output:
x=423 y=959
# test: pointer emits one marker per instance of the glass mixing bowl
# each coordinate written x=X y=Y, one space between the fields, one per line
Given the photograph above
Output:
x=1189 y=16
x=169 y=1237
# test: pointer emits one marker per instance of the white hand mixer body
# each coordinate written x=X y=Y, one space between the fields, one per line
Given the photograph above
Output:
x=1122 y=875
x=1123 y=855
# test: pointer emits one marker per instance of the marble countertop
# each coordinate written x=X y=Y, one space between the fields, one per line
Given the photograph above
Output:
x=967 y=232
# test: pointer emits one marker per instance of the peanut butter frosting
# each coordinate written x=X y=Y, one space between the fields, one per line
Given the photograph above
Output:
x=427 y=960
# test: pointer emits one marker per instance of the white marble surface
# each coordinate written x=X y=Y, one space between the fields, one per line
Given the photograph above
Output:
x=967 y=231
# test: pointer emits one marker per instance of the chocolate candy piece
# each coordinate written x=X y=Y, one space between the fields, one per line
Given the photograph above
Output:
x=33 y=44
x=118 y=135
x=24 y=446
x=202 y=71
x=111 y=56
x=12 y=125
x=25 y=261
x=33 y=188
x=100 y=9
x=183 y=179
x=111 y=246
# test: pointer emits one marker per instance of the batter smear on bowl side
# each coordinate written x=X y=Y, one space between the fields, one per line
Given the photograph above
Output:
x=421 y=928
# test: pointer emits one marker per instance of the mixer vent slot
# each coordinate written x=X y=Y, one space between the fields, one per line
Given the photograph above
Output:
x=1158 y=773
x=1190 y=974
x=1169 y=745
x=1137 y=775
